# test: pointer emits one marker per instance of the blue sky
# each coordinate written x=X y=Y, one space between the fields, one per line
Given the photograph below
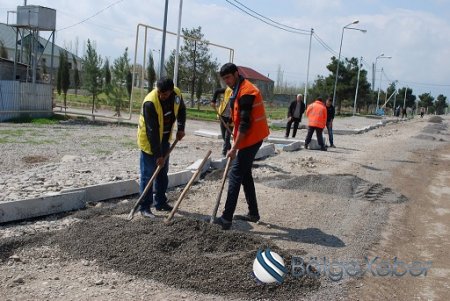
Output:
x=415 y=33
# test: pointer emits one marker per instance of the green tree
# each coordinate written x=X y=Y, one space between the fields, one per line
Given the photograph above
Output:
x=425 y=100
x=410 y=98
x=76 y=74
x=197 y=70
x=346 y=86
x=107 y=76
x=120 y=73
x=440 y=104
x=63 y=75
x=151 y=73
x=92 y=72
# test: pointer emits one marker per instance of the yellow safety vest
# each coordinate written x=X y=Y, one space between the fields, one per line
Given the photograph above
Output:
x=142 y=139
x=226 y=100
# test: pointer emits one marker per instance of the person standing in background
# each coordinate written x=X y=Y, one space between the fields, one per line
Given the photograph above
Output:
x=224 y=113
x=295 y=112
x=330 y=118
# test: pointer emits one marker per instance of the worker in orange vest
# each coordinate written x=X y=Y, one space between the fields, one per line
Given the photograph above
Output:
x=250 y=129
x=317 y=120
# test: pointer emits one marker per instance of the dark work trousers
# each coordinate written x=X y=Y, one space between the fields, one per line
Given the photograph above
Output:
x=330 y=132
x=148 y=167
x=319 y=131
x=226 y=136
x=241 y=173
x=296 y=122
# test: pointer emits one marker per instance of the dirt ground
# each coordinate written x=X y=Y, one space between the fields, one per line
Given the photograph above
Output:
x=383 y=193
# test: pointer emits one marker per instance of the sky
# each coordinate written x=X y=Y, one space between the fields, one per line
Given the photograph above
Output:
x=414 y=33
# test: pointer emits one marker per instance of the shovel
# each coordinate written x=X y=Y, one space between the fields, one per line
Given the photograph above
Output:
x=185 y=190
x=150 y=182
x=224 y=178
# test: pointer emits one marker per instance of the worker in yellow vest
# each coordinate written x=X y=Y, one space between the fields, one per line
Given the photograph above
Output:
x=224 y=113
x=160 y=109
x=250 y=129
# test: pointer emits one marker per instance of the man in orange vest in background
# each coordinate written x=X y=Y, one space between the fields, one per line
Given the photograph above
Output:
x=250 y=129
x=317 y=120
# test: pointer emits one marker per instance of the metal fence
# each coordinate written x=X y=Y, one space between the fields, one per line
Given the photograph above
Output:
x=20 y=100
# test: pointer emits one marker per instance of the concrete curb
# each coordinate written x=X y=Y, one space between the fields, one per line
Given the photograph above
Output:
x=24 y=209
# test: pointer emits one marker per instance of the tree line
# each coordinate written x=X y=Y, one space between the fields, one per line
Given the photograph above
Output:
x=198 y=75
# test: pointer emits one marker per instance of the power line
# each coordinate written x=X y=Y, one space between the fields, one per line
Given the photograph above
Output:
x=325 y=45
x=297 y=31
x=287 y=26
x=88 y=18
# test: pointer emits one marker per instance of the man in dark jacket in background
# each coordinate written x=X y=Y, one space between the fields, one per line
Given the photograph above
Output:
x=330 y=118
x=295 y=112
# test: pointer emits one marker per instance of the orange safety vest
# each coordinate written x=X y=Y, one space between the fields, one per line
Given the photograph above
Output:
x=259 y=129
x=317 y=114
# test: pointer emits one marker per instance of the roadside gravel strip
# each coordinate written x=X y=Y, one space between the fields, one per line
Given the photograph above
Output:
x=313 y=204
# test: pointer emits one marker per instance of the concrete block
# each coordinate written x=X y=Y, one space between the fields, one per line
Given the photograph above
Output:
x=314 y=145
x=267 y=149
x=345 y=132
x=193 y=167
x=111 y=190
x=179 y=178
x=292 y=146
x=208 y=134
x=219 y=163
x=23 y=209
x=278 y=123
x=281 y=140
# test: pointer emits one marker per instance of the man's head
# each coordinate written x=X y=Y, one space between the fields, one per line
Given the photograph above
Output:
x=165 y=88
x=329 y=102
x=299 y=97
x=229 y=73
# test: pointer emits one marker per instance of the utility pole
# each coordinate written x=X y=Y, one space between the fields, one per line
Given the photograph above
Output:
x=307 y=68
x=163 y=46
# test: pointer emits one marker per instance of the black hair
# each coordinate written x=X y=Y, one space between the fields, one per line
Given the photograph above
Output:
x=165 y=84
x=228 y=68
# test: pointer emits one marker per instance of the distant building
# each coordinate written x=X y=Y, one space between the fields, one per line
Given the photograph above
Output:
x=264 y=84
x=8 y=38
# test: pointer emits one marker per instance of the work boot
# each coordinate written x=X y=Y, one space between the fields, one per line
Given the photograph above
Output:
x=306 y=145
x=323 y=149
x=226 y=225
x=247 y=218
x=333 y=146
x=164 y=207
x=147 y=214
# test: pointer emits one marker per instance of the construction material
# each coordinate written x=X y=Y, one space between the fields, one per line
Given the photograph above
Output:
x=186 y=188
x=150 y=182
x=224 y=178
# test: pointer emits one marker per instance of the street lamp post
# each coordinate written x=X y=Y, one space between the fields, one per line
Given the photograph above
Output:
x=379 y=89
x=339 y=57
x=357 y=86
x=381 y=56
x=159 y=60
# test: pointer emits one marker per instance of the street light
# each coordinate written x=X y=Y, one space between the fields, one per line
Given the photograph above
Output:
x=339 y=57
x=357 y=86
x=381 y=56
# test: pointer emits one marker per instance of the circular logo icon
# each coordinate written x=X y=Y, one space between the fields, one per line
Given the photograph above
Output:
x=268 y=267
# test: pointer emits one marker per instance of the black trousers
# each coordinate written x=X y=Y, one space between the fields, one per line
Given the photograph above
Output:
x=226 y=136
x=296 y=122
x=318 y=131
x=241 y=174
